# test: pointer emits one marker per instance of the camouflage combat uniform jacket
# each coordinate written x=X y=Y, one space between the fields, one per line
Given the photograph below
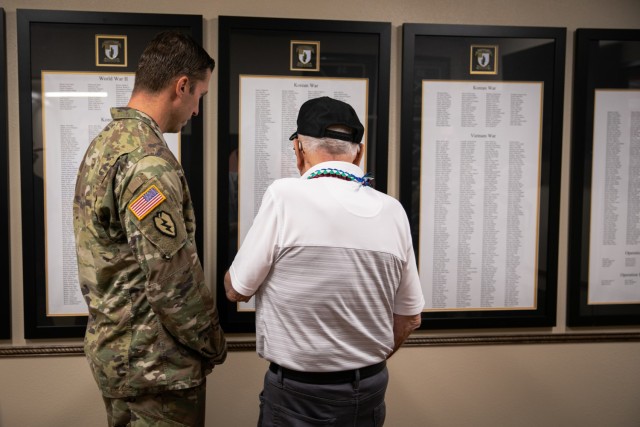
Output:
x=153 y=324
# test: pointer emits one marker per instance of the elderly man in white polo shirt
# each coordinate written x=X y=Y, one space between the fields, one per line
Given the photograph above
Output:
x=331 y=263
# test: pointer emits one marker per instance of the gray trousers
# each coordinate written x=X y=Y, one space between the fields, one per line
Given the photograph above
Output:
x=288 y=403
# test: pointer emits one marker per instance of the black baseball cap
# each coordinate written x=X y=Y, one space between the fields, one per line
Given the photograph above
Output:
x=317 y=114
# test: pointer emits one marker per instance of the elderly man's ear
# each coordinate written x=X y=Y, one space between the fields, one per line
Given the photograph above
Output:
x=359 y=155
x=297 y=148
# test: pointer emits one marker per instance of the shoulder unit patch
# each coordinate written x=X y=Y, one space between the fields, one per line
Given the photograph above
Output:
x=164 y=223
x=146 y=202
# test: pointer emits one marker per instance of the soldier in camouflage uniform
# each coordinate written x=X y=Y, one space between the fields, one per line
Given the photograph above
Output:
x=153 y=332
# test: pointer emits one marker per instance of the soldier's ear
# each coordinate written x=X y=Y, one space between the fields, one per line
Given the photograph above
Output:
x=182 y=85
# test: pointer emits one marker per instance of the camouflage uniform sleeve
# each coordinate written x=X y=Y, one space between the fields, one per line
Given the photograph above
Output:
x=151 y=207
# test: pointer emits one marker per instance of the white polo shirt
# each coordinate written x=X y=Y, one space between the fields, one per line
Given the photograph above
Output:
x=330 y=262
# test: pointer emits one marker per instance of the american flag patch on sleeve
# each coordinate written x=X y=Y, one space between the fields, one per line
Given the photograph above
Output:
x=146 y=202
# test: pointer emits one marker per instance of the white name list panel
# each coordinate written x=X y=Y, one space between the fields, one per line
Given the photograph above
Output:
x=479 y=199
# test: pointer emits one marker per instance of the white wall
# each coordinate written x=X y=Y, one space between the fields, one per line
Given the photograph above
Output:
x=594 y=384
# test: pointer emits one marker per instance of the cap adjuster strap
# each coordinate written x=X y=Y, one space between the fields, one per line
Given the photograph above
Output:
x=339 y=135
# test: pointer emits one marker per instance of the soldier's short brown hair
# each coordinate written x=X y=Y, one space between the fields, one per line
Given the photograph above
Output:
x=169 y=55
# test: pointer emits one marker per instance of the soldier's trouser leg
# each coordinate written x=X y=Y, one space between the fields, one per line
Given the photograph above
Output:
x=173 y=408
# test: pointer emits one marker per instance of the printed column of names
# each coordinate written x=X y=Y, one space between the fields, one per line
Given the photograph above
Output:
x=479 y=194
x=614 y=248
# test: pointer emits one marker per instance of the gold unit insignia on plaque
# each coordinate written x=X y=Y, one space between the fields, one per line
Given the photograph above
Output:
x=305 y=56
x=111 y=51
x=484 y=59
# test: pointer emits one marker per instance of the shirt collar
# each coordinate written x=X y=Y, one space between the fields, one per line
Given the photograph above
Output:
x=120 y=113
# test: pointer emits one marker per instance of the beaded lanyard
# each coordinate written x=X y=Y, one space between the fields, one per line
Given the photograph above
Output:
x=364 y=181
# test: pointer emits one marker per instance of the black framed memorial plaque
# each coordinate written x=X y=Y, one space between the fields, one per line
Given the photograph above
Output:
x=74 y=66
x=604 y=229
x=480 y=166
x=5 y=249
x=268 y=68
